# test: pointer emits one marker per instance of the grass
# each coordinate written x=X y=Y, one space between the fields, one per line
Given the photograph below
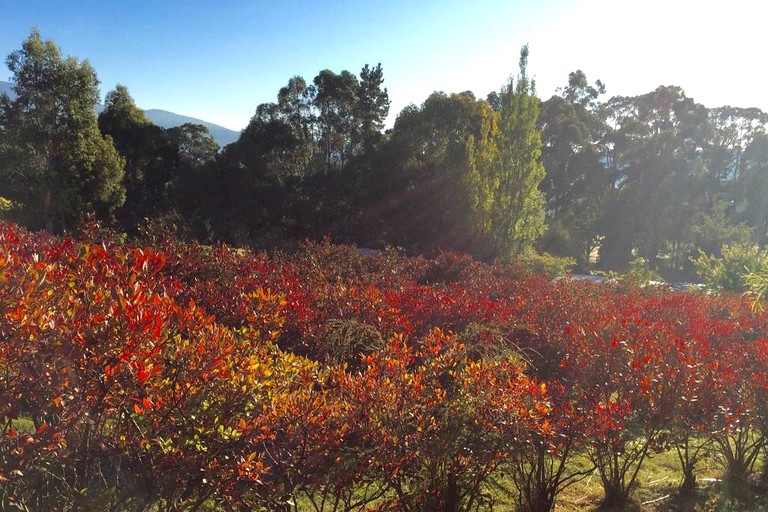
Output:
x=657 y=490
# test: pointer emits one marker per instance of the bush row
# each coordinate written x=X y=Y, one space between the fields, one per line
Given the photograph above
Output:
x=162 y=375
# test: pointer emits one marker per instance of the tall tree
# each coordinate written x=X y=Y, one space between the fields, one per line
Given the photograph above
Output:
x=144 y=147
x=660 y=169
x=372 y=105
x=336 y=97
x=420 y=182
x=578 y=184
x=298 y=166
x=580 y=93
x=507 y=203
x=186 y=185
x=752 y=187
x=194 y=143
x=53 y=159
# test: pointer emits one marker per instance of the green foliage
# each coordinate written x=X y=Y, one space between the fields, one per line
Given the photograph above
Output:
x=545 y=263
x=120 y=112
x=422 y=184
x=53 y=161
x=299 y=166
x=752 y=190
x=505 y=172
x=314 y=128
x=5 y=207
x=655 y=175
x=659 y=171
x=714 y=229
x=756 y=283
x=578 y=184
x=163 y=167
x=638 y=274
x=729 y=271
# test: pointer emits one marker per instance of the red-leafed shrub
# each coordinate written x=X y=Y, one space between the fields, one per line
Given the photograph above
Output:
x=168 y=375
x=437 y=424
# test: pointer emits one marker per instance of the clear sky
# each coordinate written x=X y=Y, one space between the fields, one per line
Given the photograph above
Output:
x=218 y=60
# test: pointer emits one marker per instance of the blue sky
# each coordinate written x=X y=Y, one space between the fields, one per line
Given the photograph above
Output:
x=218 y=61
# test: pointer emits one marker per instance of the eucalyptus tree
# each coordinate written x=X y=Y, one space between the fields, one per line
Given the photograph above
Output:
x=578 y=183
x=54 y=162
x=657 y=156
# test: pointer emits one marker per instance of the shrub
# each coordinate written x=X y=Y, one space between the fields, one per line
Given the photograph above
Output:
x=545 y=263
x=729 y=272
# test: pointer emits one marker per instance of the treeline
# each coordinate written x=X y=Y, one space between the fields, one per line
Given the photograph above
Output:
x=656 y=176
x=604 y=182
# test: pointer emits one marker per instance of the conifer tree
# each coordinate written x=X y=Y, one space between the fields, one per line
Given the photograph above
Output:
x=505 y=172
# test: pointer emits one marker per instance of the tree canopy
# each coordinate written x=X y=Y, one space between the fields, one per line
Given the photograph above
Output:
x=506 y=170
x=603 y=182
x=54 y=162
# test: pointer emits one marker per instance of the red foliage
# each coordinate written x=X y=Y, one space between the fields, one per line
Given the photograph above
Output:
x=189 y=373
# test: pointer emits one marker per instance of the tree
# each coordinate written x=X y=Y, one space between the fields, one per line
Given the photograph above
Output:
x=120 y=111
x=183 y=187
x=372 y=105
x=752 y=187
x=195 y=144
x=336 y=101
x=163 y=167
x=580 y=93
x=505 y=172
x=577 y=185
x=146 y=150
x=421 y=176
x=53 y=160
x=730 y=271
x=299 y=165
x=661 y=176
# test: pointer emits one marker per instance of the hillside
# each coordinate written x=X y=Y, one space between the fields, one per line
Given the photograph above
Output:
x=165 y=119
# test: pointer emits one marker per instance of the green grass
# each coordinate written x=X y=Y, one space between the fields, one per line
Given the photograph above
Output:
x=656 y=489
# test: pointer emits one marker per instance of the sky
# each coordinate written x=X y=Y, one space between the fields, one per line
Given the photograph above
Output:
x=218 y=61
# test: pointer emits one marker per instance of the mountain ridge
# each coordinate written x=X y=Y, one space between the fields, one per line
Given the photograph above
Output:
x=166 y=119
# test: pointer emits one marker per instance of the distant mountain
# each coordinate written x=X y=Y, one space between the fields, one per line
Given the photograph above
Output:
x=7 y=88
x=165 y=119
